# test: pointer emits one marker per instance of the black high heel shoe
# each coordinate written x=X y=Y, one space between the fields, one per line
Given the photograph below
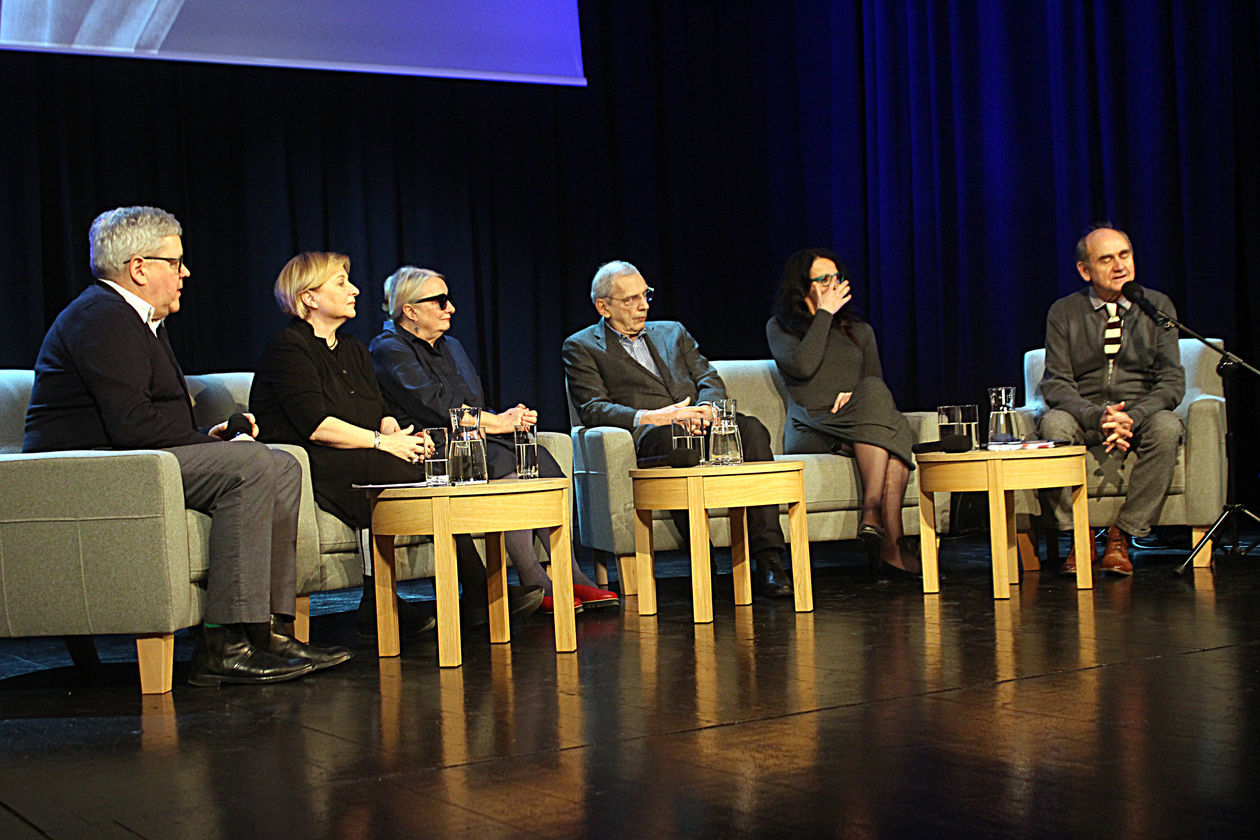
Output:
x=872 y=537
x=891 y=572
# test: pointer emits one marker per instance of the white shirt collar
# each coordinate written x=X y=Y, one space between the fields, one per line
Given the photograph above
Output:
x=1098 y=303
x=143 y=308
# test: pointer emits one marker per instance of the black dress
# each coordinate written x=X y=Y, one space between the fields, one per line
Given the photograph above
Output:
x=823 y=363
x=300 y=381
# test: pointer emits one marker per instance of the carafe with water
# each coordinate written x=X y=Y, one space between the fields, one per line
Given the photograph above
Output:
x=467 y=455
x=724 y=443
x=1002 y=415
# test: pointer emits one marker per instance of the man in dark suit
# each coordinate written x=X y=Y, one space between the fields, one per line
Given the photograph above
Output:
x=106 y=378
x=642 y=377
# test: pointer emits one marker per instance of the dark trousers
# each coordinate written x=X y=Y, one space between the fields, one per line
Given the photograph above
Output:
x=250 y=492
x=765 y=537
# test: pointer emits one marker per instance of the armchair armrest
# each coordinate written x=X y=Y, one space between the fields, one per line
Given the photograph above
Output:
x=1205 y=458
x=602 y=459
x=93 y=542
x=923 y=425
x=561 y=448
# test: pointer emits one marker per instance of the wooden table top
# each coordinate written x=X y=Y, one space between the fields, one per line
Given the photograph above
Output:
x=1000 y=455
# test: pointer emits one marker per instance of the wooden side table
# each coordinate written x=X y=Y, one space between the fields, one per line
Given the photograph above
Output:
x=696 y=490
x=1000 y=474
x=501 y=505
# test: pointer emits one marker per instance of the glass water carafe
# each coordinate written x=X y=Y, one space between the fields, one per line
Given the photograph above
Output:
x=466 y=451
x=724 y=443
x=1002 y=428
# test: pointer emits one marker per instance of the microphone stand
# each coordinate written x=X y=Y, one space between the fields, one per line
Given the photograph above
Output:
x=1227 y=367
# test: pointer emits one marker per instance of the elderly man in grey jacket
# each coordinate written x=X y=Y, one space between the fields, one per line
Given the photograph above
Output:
x=1113 y=376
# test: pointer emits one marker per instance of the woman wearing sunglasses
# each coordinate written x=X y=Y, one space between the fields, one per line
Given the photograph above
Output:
x=838 y=400
x=424 y=373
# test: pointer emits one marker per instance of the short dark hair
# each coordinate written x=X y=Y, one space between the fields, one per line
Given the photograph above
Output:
x=1082 y=250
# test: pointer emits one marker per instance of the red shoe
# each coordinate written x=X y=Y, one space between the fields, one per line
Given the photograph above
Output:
x=549 y=606
x=591 y=596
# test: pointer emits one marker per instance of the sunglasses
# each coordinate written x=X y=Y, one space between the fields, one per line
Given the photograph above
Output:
x=441 y=300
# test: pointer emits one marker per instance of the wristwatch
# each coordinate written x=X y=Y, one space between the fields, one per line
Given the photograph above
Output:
x=376 y=444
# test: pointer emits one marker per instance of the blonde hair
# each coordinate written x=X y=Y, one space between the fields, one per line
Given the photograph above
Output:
x=308 y=270
x=403 y=287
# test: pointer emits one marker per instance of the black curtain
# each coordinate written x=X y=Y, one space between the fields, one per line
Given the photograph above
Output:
x=951 y=152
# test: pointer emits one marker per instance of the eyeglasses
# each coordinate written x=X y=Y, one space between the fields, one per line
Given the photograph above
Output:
x=828 y=278
x=441 y=300
x=635 y=300
x=177 y=263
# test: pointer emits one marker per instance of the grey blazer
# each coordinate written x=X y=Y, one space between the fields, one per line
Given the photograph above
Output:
x=608 y=387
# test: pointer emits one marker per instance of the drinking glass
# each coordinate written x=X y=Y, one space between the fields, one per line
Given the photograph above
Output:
x=724 y=443
x=688 y=435
x=435 y=464
x=959 y=420
x=526 y=452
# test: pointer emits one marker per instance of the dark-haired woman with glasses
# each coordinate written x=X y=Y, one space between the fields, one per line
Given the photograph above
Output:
x=424 y=373
x=838 y=400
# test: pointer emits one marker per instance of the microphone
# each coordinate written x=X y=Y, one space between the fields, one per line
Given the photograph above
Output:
x=238 y=424
x=1136 y=294
x=675 y=458
x=949 y=443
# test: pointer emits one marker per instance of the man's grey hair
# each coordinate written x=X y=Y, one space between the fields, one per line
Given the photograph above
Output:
x=1082 y=244
x=606 y=275
x=122 y=233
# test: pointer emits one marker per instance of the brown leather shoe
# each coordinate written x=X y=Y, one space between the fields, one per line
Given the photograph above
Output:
x=1068 y=569
x=1116 y=554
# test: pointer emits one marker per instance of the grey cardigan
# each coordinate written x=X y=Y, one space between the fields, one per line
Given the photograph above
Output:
x=1147 y=374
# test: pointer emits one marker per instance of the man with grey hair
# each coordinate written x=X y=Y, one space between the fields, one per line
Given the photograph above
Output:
x=1113 y=377
x=642 y=377
x=106 y=378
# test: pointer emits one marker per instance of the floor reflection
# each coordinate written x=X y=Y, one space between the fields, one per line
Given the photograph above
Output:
x=882 y=713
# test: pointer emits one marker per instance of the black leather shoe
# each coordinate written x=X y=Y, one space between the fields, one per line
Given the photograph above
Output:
x=225 y=655
x=522 y=600
x=413 y=619
x=772 y=579
x=281 y=642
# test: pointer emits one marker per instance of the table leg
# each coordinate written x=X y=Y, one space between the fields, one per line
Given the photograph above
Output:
x=1081 y=537
x=562 y=586
x=496 y=589
x=701 y=582
x=446 y=585
x=802 y=575
x=997 y=532
x=386 y=595
x=927 y=542
x=646 y=576
x=1012 y=538
x=741 y=569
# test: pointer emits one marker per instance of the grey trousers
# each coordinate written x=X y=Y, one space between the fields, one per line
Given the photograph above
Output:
x=1153 y=445
x=250 y=492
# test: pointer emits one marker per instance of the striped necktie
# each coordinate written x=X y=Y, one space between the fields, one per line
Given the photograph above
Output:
x=1111 y=332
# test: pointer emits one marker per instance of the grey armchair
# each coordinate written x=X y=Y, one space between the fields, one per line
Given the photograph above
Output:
x=603 y=456
x=1197 y=493
x=96 y=542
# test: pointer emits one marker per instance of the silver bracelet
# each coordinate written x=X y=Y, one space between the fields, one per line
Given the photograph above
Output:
x=376 y=444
